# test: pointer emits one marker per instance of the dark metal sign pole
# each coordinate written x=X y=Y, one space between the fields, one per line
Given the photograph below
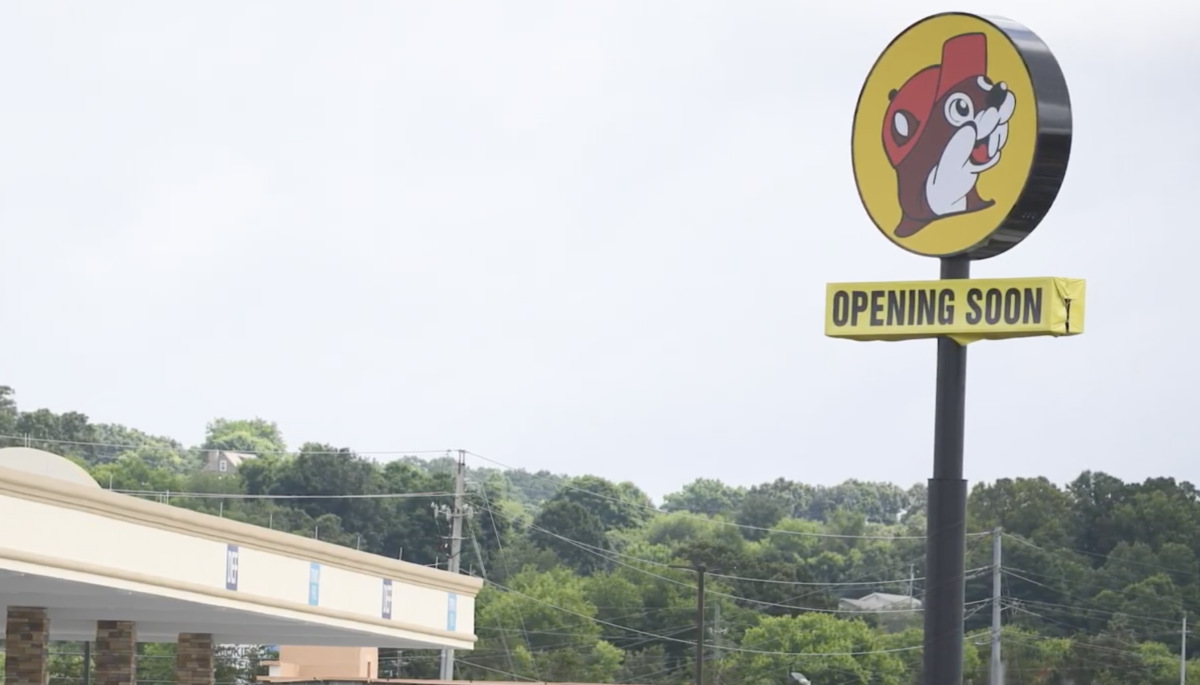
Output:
x=893 y=173
x=945 y=546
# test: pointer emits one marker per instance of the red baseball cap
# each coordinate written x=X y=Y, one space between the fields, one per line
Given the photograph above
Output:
x=962 y=57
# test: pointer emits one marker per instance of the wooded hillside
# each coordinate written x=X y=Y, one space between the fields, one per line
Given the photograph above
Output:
x=1097 y=574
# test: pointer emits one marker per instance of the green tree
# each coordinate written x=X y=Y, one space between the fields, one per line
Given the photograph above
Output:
x=1094 y=499
x=131 y=472
x=705 y=496
x=69 y=434
x=8 y=415
x=758 y=513
x=543 y=629
x=820 y=647
x=534 y=488
x=616 y=506
x=1033 y=508
x=254 y=436
x=571 y=532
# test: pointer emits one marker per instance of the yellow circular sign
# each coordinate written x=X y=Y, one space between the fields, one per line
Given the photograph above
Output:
x=961 y=136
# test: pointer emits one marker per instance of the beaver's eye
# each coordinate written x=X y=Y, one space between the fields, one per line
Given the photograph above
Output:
x=959 y=109
x=904 y=125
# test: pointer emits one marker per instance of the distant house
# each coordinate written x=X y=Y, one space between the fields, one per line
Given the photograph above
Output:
x=879 y=601
x=221 y=461
x=892 y=613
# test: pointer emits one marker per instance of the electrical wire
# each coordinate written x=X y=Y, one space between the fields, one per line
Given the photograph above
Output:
x=446 y=453
x=665 y=638
x=744 y=600
x=601 y=551
x=1106 y=558
x=742 y=526
x=1026 y=572
x=168 y=494
x=496 y=670
x=1083 y=600
x=1087 y=613
x=1018 y=638
x=190 y=450
x=507 y=573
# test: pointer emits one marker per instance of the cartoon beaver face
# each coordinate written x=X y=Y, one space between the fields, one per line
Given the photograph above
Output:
x=943 y=128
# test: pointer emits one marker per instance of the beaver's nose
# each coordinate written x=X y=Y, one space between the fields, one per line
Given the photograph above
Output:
x=995 y=96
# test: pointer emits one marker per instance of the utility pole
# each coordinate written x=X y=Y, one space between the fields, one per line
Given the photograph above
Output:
x=716 y=641
x=456 y=518
x=997 y=666
x=700 y=570
x=1183 y=652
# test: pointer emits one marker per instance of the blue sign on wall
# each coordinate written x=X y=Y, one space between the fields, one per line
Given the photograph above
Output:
x=314 y=584
x=386 y=610
x=452 y=611
x=231 y=567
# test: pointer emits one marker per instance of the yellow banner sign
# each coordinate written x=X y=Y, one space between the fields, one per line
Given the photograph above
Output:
x=965 y=310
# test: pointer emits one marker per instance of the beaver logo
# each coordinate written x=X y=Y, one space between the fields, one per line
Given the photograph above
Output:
x=961 y=137
x=943 y=128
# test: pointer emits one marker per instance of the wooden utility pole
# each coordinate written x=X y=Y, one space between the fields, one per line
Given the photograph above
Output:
x=997 y=671
x=701 y=570
x=456 y=520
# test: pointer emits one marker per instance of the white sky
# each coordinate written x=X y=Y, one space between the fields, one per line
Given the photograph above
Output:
x=588 y=237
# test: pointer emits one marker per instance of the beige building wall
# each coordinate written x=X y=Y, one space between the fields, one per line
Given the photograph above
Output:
x=169 y=552
x=326 y=663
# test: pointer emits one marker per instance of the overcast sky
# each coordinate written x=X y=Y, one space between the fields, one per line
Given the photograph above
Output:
x=581 y=236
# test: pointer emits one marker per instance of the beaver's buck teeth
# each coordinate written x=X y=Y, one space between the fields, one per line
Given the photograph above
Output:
x=997 y=139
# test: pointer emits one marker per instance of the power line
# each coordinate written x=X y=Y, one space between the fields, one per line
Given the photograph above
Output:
x=743 y=526
x=257 y=453
x=496 y=670
x=692 y=643
x=487 y=505
x=1069 y=581
x=240 y=496
x=446 y=453
x=602 y=552
x=745 y=600
x=1074 y=642
x=1106 y=558
x=1083 y=600
x=654 y=636
x=1087 y=613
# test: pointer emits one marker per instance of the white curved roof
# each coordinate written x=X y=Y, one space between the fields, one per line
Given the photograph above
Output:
x=42 y=463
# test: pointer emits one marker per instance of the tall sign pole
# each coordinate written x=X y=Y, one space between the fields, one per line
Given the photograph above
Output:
x=946 y=510
x=961 y=140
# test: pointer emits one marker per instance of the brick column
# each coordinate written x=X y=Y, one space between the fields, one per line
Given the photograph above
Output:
x=194 y=659
x=26 y=638
x=115 y=653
